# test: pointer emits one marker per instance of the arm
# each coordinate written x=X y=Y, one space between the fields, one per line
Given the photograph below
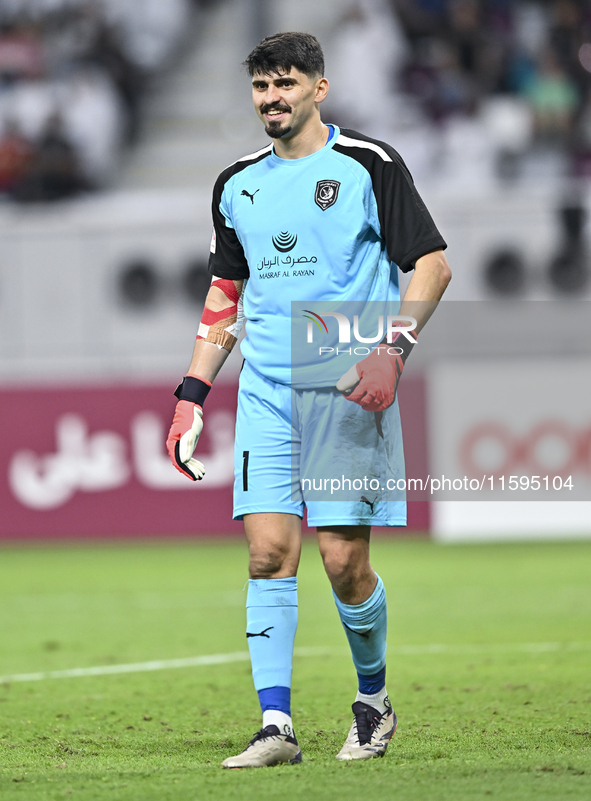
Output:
x=413 y=243
x=372 y=382
x=218 y=331
x=212 y=350
x=426 y=287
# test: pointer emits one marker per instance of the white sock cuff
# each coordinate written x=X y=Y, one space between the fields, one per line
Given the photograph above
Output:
x=274 y=717
x=377 y=700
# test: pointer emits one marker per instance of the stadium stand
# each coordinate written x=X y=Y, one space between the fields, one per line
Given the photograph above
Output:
x=498 y=82
x=72 y=77
x=473 y=92
x=125 y=268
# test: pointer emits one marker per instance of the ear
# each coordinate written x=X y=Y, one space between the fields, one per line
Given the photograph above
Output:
x=321 y=90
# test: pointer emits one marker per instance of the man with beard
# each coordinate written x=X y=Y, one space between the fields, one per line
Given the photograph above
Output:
x=344 y=205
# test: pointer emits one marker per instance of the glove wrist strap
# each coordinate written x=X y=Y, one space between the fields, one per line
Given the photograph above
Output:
x=193 y=389
x=402 y=344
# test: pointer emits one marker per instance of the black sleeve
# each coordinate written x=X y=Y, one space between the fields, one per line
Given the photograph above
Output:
x=406 y=226
x=226 y=258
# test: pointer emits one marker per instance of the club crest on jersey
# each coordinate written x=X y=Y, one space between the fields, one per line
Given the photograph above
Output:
x=326 y=194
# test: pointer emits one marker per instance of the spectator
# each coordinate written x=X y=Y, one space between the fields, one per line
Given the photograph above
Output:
x=554 y=98
x=366 y=34
x=93 y=119
x=479 y=53
x=107 y=52
x=54 y=171
x=21 y=53
x=16 y=152
x=93 y=60
x=465 y=52
x=565 y=33
x=582 y=141
x=420 y=18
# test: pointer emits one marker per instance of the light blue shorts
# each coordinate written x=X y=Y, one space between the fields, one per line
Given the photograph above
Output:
x=314 y=449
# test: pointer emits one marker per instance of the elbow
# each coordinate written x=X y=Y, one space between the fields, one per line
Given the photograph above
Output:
x=444 y=272
x=434 y=268
x=445 y=276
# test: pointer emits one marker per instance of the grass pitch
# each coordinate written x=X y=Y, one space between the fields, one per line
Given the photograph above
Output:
x=489 y=672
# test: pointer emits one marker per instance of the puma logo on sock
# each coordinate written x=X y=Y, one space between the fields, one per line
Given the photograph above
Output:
x=263 y=633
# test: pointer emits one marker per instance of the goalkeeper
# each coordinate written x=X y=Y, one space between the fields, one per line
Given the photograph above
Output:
x=346 y=206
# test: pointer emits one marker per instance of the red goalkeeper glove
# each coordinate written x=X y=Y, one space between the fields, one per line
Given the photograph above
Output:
x=372 y=382
x=187 y=425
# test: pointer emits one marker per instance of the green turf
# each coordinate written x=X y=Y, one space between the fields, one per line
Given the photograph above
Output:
x=485 y=717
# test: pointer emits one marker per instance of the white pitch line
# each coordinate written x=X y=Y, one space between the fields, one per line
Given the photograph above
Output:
x=243 y=656
x=161 y=664
x=136 y=667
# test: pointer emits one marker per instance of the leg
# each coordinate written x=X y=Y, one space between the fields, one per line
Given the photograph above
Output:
x=361 y=602
x=345 y=554
x=274 y=542
x=263 y=481
x=274 y=545
x=360 y=598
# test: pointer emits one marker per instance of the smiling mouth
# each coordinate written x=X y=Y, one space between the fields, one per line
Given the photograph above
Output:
x=274 y=113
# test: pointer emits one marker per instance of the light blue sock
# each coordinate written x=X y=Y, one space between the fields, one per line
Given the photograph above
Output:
x=271 y=623
x=366 y=627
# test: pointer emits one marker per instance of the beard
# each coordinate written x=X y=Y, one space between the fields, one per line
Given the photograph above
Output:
x=275 y=131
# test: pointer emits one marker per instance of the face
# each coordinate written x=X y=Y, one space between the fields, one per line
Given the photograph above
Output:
x=287 y=102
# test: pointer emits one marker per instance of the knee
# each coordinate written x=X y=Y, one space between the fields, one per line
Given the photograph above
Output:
x=274 y=545
x=341 y=569
x=271 y=562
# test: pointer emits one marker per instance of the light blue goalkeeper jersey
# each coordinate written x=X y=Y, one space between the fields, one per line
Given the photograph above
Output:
x=332 y=226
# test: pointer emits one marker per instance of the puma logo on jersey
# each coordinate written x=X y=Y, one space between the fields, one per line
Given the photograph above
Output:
x=247 y=194
x=262 y=633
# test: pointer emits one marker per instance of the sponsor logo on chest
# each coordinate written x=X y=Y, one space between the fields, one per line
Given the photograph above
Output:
x=284 y=263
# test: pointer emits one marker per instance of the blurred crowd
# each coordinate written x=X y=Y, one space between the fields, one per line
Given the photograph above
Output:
x=72 y=76
x=486 y=83
x=472 y=91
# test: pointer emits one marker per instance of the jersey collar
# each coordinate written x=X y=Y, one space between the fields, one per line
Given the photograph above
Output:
x=295 y=162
